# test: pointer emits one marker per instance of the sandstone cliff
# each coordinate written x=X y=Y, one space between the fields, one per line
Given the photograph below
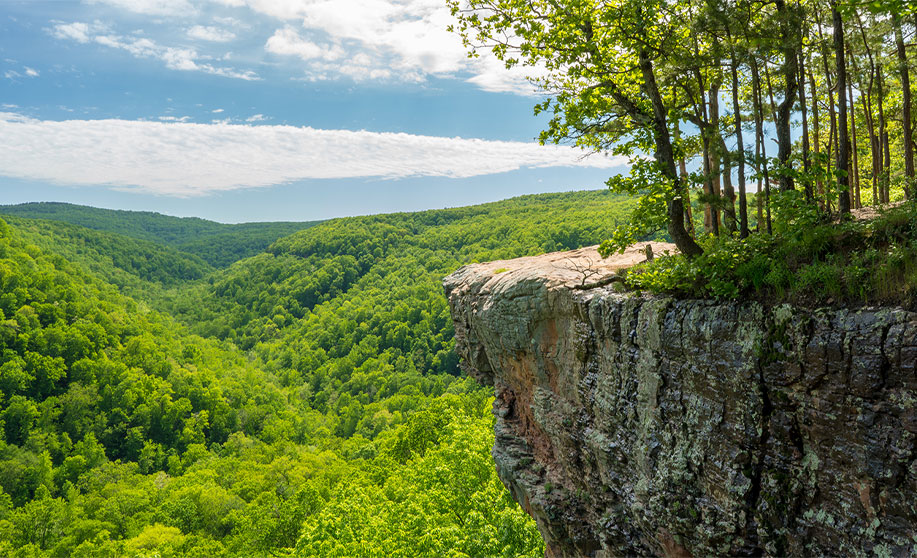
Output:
x=631 y=425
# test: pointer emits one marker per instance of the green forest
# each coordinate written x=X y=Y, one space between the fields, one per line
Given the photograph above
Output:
x=304 y=401
x=175 y=387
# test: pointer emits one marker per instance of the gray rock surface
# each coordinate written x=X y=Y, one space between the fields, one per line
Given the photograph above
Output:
x=631 y=425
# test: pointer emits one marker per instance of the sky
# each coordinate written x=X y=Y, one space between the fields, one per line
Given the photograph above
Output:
x=265 y=110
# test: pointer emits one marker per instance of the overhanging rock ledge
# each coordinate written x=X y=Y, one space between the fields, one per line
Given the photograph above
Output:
x=632 y=425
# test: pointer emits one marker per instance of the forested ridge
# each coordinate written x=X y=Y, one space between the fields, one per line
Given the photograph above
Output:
x=303 y=401
x=218 y=244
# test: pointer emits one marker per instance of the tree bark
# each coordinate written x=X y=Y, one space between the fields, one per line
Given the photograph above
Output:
x=855 y=175
x=740 y=146
x=832 y=113
x=843 y=152
x=784 y=111
x=719 y=161
x=665 y=156
x=906 y=94
x=807 y=182
x=683 y=173
x=816 y=132
x=885 y=177
x=874 y=139
x=759 y=130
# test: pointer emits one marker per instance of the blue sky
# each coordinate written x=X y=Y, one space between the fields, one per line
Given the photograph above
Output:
x=252 y=110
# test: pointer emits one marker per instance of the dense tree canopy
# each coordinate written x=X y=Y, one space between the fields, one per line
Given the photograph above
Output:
x=306 y=400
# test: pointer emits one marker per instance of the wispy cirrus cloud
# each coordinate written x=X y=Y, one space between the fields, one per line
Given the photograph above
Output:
x=186 y=159
x=175 y=58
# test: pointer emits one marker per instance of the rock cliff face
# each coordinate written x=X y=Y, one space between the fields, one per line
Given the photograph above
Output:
x=631 y=425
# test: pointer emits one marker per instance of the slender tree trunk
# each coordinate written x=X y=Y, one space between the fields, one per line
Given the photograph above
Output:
x=807 y=182
x=759 y=129
x=885 y=177
x=683 y=174
x=843 y=152
x=874 y=139
x=906 y=94
x=720 y=163
x=711 y=209
x=832 y=113
x=740 y=145
x=816 y=132
x=770 y=89
x=855 y=174
x=874 y=148
x=666 y=157
x=784 y=111
x=711 y=190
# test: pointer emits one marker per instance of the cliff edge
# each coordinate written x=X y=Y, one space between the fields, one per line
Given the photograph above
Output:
x=633 y=425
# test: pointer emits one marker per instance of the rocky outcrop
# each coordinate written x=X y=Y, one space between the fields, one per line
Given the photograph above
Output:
x=635 y=425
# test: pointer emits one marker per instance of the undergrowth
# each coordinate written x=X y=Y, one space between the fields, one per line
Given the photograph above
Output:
x=806 y=262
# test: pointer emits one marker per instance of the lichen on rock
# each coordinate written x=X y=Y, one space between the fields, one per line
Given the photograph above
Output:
x=634 y=425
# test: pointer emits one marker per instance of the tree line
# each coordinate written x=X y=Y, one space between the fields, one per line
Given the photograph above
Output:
x=700 y=85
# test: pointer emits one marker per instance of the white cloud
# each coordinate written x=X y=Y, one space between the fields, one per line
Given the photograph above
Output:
x=217 y=111
x=383 y=40
x=141 y=47
x=11 y=74
x=288 y=41
x=212 y=34
x=404 y=40
x=185 y=159
x=151 y=7
x=257 y=118
x=31 y=72
x=77 y=31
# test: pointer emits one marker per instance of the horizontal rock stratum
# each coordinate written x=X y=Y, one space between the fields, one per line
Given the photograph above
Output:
x=634 y=425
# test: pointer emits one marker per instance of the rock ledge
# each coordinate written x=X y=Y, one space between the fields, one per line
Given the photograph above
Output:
x=632 y=425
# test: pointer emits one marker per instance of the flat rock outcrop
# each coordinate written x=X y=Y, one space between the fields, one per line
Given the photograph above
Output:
x=634 y=425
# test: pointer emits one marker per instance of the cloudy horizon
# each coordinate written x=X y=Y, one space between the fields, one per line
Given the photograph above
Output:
x=139 y=102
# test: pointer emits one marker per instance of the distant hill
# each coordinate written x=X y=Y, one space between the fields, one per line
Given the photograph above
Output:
x=218 y=244
x=139 y=268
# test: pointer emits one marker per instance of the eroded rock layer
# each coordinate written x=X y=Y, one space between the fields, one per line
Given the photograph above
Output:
x=631 y=425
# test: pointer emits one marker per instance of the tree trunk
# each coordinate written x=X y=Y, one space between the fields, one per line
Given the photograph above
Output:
x=885 y=177
x=759 y=130
x=740 y=147
x=816 y=132
x=759 y=197
x=784 y=111
x=711 y=207
x=683 y=174
x=666 y=158
x=711 y=210
x=832 y=136
x=843 y=152
x=807 y=182
x=855 y=174
x=906 y=94
x=874 y=140
x=719 y=161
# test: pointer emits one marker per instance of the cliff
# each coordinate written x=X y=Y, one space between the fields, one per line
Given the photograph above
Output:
x=634 y=425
